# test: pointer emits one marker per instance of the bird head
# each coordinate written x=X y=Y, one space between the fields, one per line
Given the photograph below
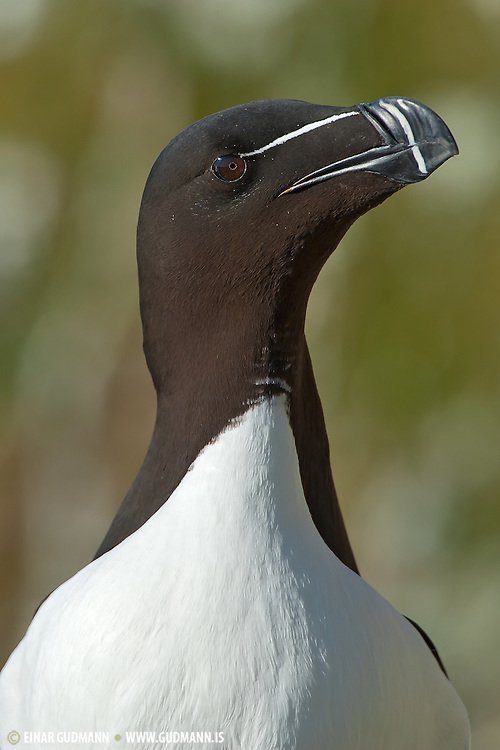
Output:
x=242 y=209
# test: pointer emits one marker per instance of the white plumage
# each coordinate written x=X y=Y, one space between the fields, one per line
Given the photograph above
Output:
x=227 y=612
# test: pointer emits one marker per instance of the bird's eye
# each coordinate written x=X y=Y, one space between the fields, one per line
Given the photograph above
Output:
x=229 y=167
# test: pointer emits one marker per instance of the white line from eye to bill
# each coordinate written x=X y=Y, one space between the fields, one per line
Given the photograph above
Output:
x=300 y=131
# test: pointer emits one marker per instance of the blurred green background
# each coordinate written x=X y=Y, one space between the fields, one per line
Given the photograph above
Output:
x=404 y=324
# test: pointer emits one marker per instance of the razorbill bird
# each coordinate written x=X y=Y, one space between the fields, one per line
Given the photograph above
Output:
x=225 y=596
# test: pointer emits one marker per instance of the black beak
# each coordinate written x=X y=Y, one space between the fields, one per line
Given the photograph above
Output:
x=416 y=141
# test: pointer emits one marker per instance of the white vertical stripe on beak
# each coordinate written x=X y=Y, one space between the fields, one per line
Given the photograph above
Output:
x=300 y=131
x=408 y=131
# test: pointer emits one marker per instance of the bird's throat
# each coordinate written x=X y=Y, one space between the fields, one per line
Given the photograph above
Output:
x=191 y=413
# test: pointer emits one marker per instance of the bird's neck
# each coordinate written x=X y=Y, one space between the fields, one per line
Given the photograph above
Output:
x=192 y=410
